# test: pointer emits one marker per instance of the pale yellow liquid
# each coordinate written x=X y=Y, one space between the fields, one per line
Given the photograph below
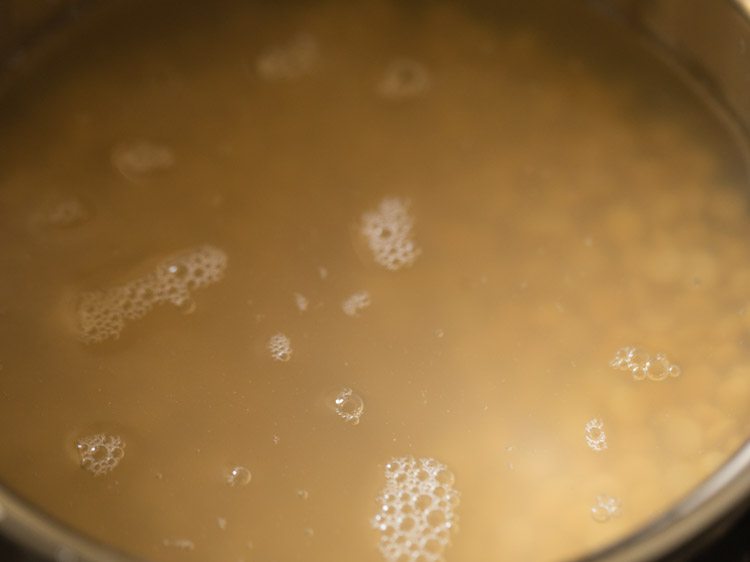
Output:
x=570 y=197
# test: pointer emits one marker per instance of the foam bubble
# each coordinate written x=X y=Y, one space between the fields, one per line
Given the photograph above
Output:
x=349 y=405
x=416 y=510
x=301 y=301
x=605 y=508
x=239 y=476
x=179 y=544
x=404 y=79
x=356 y=302
x=642 y=364
x=388 y=231
x=103 y=314
x=100 y=453
x=139 y=159
x=596 y=438
x=65 y=213
x=290 y=62
x=280 y=347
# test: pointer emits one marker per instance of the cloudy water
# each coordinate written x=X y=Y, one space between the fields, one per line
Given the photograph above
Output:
x=372 y=281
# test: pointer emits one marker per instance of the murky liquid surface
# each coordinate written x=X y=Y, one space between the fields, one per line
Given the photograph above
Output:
x=366 y=281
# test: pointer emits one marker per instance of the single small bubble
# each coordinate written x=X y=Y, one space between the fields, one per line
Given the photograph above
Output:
x=657 y=368
x=188 y=306
x=301 y=301
x=436 y=518
x=239 y=476
x=178 y=270
x=445 y=477
x=222 y=523
x=439 y=333
x=675 y=371
x=179 y=544
x=349 y=405
x=309 y=532
x=322 y=272
x=303 y=494
x=638 y=358
x=276 y=439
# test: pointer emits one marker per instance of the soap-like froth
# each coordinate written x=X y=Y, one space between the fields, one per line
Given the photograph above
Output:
x=103 y=314
x=388 y=231
x=417 y=510
x=596 y=438
x=100 y=453
x=358 y=301
x=280 y=347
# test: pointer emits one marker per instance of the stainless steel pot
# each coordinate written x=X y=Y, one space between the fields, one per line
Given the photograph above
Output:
x=708 y=41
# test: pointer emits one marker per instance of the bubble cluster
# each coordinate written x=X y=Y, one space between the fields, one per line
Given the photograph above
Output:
x=179 y=544
x=239 y=476
x=404 y=79
x=280 y=347
x=388 y=231
x=642 y=365
x=301 y=301
x=100 y=453
x=416 y=510
x=596 y=438
x=139 y=159
x=289 y=62
x=605 y=508
x=349 y=405
x=103 y=314
x=356 y=302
